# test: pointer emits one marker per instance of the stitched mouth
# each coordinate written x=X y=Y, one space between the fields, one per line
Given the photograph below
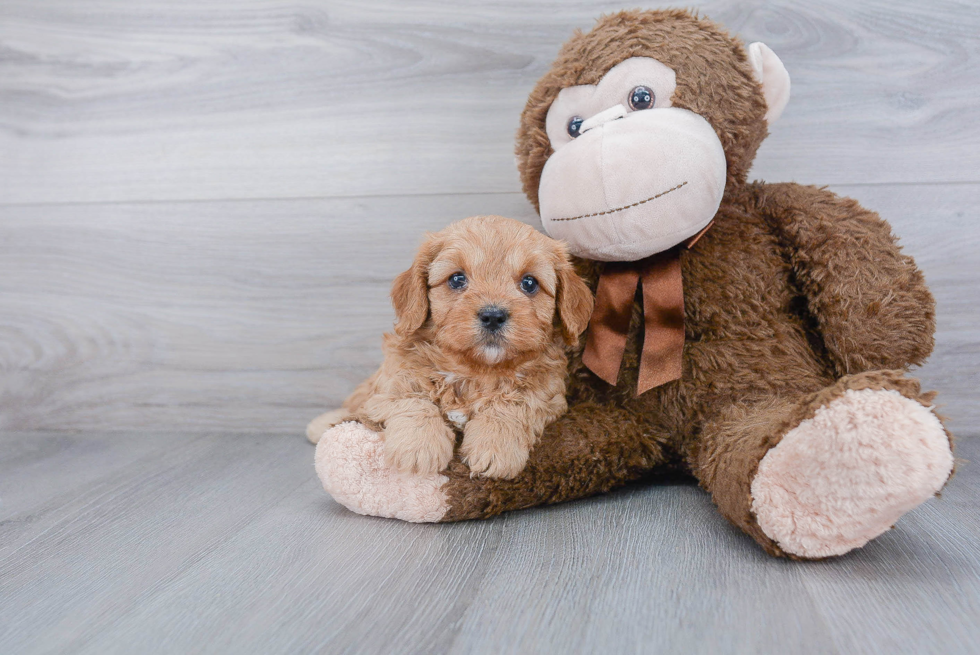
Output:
x=619 y=209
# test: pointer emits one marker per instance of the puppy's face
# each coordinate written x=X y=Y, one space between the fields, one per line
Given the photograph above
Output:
x=492 y=293
x=494 y=290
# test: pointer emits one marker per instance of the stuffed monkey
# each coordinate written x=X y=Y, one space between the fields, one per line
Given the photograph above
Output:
x=756 y=336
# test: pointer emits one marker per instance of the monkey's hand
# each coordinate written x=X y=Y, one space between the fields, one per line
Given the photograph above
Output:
x=589 y=450
x=870 y=301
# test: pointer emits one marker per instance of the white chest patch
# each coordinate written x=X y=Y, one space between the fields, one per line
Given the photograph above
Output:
x=457 y=418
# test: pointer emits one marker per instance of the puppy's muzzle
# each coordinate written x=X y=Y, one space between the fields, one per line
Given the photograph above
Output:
x=492 y=318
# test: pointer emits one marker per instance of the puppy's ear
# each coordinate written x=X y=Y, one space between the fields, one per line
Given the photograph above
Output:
x=410 y=290
x=573 y=301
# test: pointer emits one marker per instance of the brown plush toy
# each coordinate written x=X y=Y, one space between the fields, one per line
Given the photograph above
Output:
x=756 y=336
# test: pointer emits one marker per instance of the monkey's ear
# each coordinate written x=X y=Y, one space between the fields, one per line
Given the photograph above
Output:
x=410 y=290
x=771 y=74
x=574 y=303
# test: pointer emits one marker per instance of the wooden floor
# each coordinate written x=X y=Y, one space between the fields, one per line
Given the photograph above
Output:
x=134 y=543
x=202 y=205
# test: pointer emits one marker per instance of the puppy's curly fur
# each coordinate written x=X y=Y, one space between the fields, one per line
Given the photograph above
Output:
x=444 y=366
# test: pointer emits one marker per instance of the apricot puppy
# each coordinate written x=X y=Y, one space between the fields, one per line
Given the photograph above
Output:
x=483 y=318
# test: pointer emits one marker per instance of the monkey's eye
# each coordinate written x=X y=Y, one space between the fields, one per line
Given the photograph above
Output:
x=457 y=281
x=574 y=125
x=641 y=98
x=529 y=284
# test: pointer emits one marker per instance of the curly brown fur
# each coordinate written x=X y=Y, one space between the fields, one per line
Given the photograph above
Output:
x=727 y=456
x=501 y=387
x=792 y=297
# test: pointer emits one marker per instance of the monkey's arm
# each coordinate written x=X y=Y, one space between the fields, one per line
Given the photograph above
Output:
x=869 y=300
x=591 y=449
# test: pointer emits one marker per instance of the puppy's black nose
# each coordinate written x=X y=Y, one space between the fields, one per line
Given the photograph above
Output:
x=492 y=318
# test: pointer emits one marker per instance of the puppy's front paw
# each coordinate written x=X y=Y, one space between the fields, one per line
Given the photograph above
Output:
x=422 y=447
x=493 y=449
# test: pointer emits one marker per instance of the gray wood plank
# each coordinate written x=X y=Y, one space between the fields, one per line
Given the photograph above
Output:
x=915 y=588
x=74 y=564
x=255 y=315
x=227 y=544
x=321 y=580
x=110 y=101
x=43 y=475
x=619 y=574
x=214 y=315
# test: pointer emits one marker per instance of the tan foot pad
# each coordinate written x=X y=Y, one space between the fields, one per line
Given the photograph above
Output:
x=350 y=462
x=845 y=476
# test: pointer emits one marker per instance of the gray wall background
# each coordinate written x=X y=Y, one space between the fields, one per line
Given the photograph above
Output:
x=202 y=204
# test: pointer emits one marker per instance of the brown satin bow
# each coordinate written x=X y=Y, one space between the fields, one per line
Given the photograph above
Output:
x=662 y=287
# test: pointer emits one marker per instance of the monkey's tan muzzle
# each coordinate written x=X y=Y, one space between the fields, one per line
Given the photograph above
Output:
x=633 y=184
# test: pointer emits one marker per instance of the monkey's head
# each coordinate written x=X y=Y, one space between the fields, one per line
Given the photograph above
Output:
x=630 y=141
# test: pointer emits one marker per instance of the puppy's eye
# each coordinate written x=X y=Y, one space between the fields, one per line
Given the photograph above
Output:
x=529 y=284
x=641 y=97
x=574 y=126
x=457 y=281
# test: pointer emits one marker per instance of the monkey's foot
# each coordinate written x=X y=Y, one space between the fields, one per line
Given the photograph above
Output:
x=843 y=477
x=350 y=462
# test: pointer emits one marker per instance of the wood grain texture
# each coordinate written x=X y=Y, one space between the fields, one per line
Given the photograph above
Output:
x=244 y=316
x=202 y=205
x=254 y=313
x=253 y=316
x=108 y=100
x=226 y=543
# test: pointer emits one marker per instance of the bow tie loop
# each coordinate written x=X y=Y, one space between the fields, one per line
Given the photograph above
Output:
x=662 y=290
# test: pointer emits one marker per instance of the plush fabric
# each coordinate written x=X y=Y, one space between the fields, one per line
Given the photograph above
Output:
x=713 y=78
x=770 y=72
x=844 y=476
x=802 y=318
x=616 y=194
x=590 y=99
x=324 y=422
x=350 y=462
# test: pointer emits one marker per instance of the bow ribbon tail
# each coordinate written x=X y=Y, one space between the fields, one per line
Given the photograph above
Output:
x=610 y=322
x=663 y=317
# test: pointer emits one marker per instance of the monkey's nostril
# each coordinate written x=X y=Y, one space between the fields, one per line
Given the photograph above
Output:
x=492 y=318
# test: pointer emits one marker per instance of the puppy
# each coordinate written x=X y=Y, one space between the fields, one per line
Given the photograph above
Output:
x=483 y=318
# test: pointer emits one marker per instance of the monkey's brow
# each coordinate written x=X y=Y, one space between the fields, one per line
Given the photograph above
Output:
x=619 y=209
